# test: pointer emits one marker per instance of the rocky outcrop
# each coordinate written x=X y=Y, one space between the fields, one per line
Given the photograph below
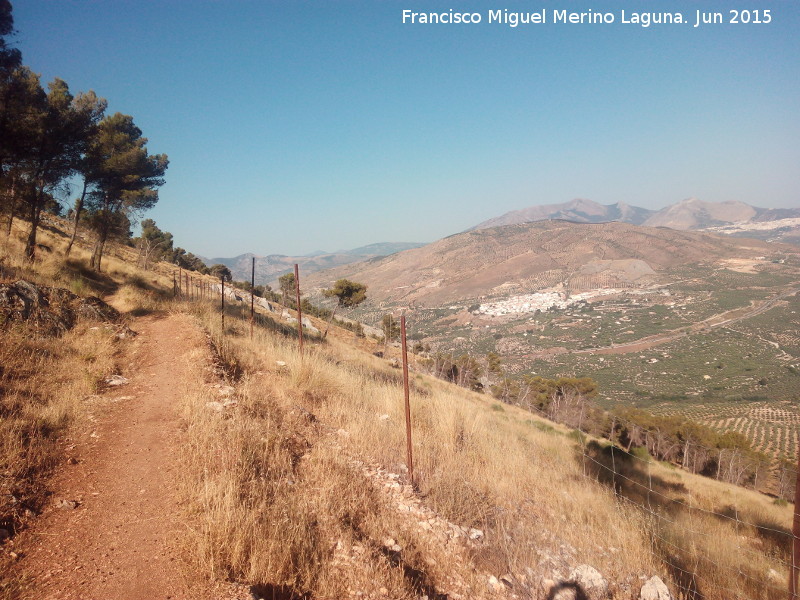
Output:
x=50 y=311
x=592 y=583
x=655 y=589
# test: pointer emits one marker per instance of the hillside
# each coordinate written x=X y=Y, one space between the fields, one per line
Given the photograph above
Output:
x=577 y=211
x=658 y=317
x=518 y=259
x=730 y=217
x=285 y=472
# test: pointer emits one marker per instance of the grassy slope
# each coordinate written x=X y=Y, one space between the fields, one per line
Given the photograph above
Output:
x=277 y=495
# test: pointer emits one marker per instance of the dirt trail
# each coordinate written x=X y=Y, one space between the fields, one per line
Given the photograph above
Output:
x=120 y=541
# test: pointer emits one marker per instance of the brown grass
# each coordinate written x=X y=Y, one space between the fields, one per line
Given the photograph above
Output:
x=478 y=464
x=281 y=489
x=46 y=382
x=283 y=460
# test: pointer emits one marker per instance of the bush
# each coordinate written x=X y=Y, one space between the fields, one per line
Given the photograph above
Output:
x=641 y=453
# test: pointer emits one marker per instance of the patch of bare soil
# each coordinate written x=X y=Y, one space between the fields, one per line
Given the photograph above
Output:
x=113 y=528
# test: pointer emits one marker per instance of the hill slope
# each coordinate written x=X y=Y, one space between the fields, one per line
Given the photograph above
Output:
x=577 y=211
x=522 y=258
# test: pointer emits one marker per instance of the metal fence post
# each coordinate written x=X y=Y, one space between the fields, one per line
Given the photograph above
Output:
x=299 y=312
x=252 y=295
x=409 y=453
x=796 y=536
x=222 y=302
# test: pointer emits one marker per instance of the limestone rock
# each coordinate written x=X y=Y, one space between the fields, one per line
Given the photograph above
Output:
x=593 y=583
x=50 y=310
x=116 y=380
x=654 y=589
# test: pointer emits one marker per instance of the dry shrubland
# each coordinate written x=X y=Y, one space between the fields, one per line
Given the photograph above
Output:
x=46 y=381
x=298 y=483
x=281 y=486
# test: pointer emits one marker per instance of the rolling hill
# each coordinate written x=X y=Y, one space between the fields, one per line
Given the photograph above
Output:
x=516 y=259
x=270 y=267
x=730 y=217
x=577 y=211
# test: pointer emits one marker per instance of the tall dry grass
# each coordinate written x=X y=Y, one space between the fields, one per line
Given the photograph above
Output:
x=277 y=470
x=524 y=482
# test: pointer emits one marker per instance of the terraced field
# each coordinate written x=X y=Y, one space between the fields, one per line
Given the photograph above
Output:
x=772 y=427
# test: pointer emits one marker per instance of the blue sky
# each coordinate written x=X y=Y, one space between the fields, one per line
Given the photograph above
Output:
x=298 y=126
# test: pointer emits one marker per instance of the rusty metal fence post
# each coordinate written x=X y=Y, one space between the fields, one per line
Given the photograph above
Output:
x=409 y=453
x=252 y=294
x=299 y=312
x=222 y=301
x=793 y=592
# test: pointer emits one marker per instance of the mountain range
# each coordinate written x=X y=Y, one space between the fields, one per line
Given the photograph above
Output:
x=269 y=268
x=689 y=214
x=730 y=218
x=519 y=258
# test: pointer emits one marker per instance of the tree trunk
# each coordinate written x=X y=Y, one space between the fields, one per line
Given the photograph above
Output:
x=78 y=210
x=328 y=326
x=12 y=206
x=36 y=215
x=97 y=254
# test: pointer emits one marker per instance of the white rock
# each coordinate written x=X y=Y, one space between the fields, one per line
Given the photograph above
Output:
x=117 y=380
x=383 y=418
x=593 y=583
x=654 y=589
x=214 y=405
x=475 y=534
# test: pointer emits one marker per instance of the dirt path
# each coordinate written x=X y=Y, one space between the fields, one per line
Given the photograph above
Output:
x=120 y=540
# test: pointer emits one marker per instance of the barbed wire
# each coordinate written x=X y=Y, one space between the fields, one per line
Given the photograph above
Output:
x=656 y=503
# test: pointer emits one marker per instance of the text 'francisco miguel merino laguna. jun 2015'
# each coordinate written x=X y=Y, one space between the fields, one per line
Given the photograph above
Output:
x=697 y=18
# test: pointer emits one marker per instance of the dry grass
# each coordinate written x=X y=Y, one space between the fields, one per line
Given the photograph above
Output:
x=43 y=385
x=277 y=495
x=45 y=381
x=520 y=479
x=282 y=464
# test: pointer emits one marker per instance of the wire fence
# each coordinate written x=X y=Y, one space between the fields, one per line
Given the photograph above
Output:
x=736 y=551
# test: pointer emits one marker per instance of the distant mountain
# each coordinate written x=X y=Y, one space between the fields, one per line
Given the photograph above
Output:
x=731 y=217
x=514 y=259
x=696 y=214
x=381 y=249
x=269 y=268
x=576 y=211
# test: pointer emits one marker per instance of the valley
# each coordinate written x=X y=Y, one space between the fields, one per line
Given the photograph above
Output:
x=680 y=323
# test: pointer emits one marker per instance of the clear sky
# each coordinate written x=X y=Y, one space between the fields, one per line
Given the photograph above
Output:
x=298 y=126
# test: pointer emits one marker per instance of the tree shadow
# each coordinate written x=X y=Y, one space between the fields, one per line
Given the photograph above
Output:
x=100 y=283
x=271 y=591
x=416 y=578
x=630 y=477
x=566 y=586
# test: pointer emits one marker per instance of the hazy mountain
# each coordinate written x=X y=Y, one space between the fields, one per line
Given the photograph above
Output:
x=521 y=258
x=577 y=211
x=269 y=268
x=381 y=249
x=696 y=214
